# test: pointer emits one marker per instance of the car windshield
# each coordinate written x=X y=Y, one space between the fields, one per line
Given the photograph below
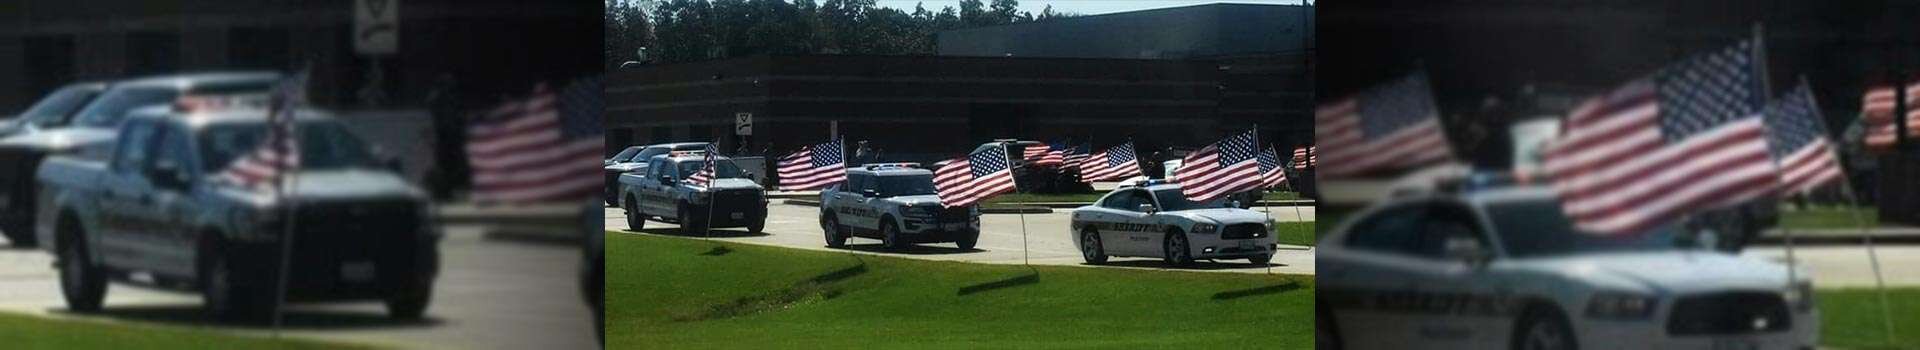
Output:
x=1171 y=199
x=59 y=105
x=906 y=185
x=625 y=154
x=648 y=153
x=112 y=107
x=323 y=145
x=724 y=169
x=1539 y=228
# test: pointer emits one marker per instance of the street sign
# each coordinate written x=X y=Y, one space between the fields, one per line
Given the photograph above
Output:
x=743 y=124
x=376 y=26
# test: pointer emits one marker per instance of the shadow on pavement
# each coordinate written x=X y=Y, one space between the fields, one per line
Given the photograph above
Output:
x=716 y=233
x=913 y=249
x=1273 y=289
x=1022 y=280
x=1196 y=265
x=296 y=319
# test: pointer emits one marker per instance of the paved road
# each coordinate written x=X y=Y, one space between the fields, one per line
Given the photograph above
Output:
x=1048 y=241
x=492 y=294
x=1848 y=266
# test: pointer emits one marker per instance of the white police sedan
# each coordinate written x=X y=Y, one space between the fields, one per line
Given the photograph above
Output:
x=1152 y=219
x=1504 y=268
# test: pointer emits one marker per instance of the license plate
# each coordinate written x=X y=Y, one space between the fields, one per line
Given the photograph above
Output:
x=1734 y=344
x=737 y=216
x=1246 y=244
x=953 y=227
x=357 y=271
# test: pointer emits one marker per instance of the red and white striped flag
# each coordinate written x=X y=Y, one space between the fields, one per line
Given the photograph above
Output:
x=1797 y=137
x=1033 y=153
x=1686 y=139
x=815 y=166
x=1112 y=164
x=1272 y=172
x=704 y=177
x=1055 y=155
x=1392 y=126
x=1877 y=111
x=976 y=177
x=279 y=152
x=540 y=149
x=1220 y=169
x=1304 y=157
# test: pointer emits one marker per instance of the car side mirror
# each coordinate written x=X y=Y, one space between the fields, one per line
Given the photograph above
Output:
x=870 y=193
x=167 y=175
x=1147 y=208
x=666 y=179
x=1468 y=250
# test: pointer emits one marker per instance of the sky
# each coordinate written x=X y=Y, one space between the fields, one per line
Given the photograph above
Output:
x=1085 y=7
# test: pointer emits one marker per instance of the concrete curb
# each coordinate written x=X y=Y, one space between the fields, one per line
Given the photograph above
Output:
x=1896 y=236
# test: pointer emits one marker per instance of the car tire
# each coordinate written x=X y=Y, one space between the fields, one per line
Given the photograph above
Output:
x=890 y=236
x=758 y=225
x=221 y=290
x=19 y=233
x=410 y=306
x=689 y=224
x=1091 y=248
x=83 y=284
x=831 y=225
x=967 y=241
x=1262 y=259
x=635 y=220
x=1543 y=328
x=1175 y=249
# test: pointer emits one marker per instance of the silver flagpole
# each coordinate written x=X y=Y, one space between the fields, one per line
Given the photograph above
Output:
x=1019 y=209
x=283 y=188
x=1853 y=208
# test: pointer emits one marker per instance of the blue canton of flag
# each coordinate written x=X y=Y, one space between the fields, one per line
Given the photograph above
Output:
x=1797 y=138
x=1708 y=91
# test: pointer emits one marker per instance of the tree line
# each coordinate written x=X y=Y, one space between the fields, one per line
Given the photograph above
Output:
x=693 y=30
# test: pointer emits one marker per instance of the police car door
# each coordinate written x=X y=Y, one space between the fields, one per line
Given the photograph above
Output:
x=1368 y=283
x=853 y=207
x=1470 y=308
x=124 y=239
x=1134 y=226
x=655 y=197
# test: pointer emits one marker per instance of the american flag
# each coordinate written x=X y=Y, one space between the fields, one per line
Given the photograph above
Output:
x=1033 y=153
x=1112 y=164
x=1687 y=138
x=1074 y=156
x=981 y=175
x=534 y=151
x=1392 y=126
x=814 y=166
x=704 y=177
x=1877 y=116
x=1304 y=157
x=279 y=152
x=1272 y=172
x=1220 y=169
x=1797 y=140
x=1056 y=155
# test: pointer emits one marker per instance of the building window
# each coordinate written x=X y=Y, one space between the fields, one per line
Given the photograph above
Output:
x=152 y=53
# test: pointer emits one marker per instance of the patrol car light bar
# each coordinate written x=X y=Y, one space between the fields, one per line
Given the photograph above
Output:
x=211 y=103
x=880 y=166
x=685 y=153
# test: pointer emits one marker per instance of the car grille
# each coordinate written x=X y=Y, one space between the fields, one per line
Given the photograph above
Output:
x=1729 y=313
x=737 y=199
x=954 y=214
x=1243 y=231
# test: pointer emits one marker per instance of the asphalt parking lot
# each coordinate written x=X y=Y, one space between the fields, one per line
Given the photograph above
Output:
x=1048 y=241
x=492 y=294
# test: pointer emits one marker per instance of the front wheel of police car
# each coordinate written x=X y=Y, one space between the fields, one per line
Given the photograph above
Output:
x=1177 y=253
x=967 y=241
x=1090 y=247
x=890 y=236
x=831 y=226
x=222 y=293
x=1543 y=328
x=757 y=225
x=83 y=284
x=634 y=219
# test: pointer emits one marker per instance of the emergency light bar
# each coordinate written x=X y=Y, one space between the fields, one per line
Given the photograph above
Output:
x=881 y=166
x=215 y=103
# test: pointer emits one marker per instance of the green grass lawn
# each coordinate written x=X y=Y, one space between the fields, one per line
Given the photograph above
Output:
x=674 y=293
x=1850 y=318
x=1296 y=233
x=30 y=332
x=1826 y=217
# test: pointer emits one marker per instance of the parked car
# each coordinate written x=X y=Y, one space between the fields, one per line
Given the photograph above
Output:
x=635 y=159
x=155 y=211
x=895 y=203
x=1153 y=219
x=664 y=193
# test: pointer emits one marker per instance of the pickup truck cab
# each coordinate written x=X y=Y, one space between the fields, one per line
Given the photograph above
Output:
x=895 y=203
x=95 y=123
x=663 y=193
x=635 y=159
x=153 y=210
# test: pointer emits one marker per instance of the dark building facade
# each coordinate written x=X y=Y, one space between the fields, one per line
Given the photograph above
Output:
x=919 y=108
x=489 y=47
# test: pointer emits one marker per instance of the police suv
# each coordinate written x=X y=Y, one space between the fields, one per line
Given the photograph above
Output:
x=663 y=193
x=1153 y=219
x=895 y=203
x=634 y=159
x=1505 y=268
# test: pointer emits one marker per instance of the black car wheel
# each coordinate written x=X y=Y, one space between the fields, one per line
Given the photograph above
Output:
x=831 y=225
x=758 y=225
x=1326 y=333
x=1090 y=247
x=1543 y=328
x=1177 y=252
x=225 y=293
x=83 y=284
x=968 y=240
x=411 y=305
x=890 y=236
x=634 y=219
x=690 y=224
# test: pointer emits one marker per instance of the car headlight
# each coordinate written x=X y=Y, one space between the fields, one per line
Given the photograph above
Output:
x=1617 y=305
x=1205 y=228
x=1800 y=296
